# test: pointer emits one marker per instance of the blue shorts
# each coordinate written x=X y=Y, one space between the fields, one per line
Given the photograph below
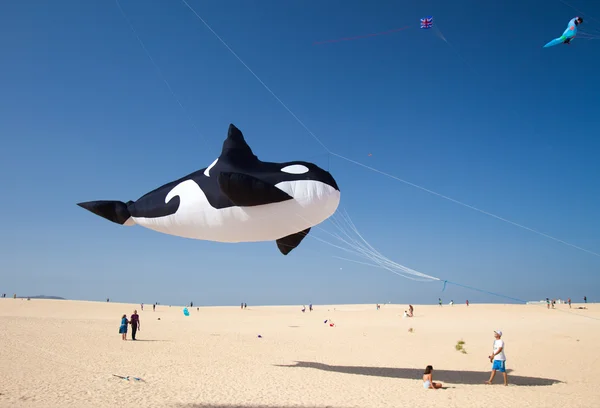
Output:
x=499 y=365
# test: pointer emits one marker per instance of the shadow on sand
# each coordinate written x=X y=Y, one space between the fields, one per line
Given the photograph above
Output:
x=250 y=406
x=452 y=377
x=148 y=340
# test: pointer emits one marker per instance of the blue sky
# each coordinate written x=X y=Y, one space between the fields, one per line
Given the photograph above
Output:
x=490 y=118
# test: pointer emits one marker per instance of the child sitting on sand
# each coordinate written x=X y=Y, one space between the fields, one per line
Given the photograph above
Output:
x=428 y=379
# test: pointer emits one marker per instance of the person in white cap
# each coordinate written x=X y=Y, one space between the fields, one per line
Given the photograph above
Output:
x=498 y=358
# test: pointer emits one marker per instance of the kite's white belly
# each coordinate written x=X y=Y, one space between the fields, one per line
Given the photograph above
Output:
x=195 y=218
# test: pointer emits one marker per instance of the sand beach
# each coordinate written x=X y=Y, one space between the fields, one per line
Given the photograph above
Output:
x=60 y=353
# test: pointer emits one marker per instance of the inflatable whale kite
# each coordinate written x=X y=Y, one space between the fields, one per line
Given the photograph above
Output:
x=238 y=198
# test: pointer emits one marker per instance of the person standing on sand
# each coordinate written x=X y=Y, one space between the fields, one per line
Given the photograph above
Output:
x=135 y=324
x=498 y=358
x=123 y=327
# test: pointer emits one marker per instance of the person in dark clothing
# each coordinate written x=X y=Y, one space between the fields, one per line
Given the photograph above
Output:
x=135 y=324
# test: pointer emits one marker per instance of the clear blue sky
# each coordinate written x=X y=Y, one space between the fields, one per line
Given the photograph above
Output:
x=494 y=120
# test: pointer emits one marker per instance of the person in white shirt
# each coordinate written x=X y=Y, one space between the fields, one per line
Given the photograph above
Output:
x=498 y=358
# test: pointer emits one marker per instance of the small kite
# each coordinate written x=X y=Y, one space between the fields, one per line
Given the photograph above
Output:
x=238 y=198
x=427 y=22
x=568 y=34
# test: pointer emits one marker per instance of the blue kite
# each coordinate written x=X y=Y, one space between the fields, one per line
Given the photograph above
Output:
x=568 y=35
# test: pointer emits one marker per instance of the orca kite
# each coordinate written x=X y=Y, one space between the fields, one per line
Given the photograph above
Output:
x=238 y=198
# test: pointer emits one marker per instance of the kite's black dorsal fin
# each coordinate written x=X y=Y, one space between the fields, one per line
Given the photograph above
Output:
x=235 y=147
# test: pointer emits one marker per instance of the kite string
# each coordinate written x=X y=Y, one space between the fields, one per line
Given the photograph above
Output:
x=256 y=76
x=579 y=11
x=161 y=75
x=512 y=298
x=431 y=278
x=464 y=204
x=363 y=36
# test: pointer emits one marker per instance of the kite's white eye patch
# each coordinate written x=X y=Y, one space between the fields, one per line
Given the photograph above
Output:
x=295 y=169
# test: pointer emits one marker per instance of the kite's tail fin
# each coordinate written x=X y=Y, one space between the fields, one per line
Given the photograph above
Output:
x=115 y=211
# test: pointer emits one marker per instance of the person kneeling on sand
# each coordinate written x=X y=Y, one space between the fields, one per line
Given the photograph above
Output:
x=428 y=379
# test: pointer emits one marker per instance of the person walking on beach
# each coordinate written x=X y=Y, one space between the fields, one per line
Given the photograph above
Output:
x=585 y=299
x=498 y=358
x=440 y=301
x=569 y=301
x=135 y=324
x=123 y=327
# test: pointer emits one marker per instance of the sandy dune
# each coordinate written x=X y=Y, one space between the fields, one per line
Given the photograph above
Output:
x=57 y=353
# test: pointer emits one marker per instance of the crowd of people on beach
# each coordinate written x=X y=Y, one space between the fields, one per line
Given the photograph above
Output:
x=497 y=358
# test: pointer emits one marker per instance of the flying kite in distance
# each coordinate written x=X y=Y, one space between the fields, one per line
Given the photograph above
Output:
x=238 y=198
x=427 y=22
x=568 y=34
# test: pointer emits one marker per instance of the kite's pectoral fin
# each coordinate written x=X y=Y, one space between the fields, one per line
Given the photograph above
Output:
x=286 y=244
x=115 y=211
x=247 y=191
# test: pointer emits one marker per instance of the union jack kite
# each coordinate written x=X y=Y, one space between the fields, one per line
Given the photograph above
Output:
x=426 y=22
